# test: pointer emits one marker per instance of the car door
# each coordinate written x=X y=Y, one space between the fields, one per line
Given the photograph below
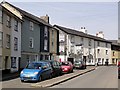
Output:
x=44 y=71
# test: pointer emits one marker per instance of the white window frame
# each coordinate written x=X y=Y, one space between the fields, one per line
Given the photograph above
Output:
x=7 y=41
x=8 y=22
x=0 y=16
x=15 y=43
x=1 y=39
x=31 y=40
x=45 y=44
x=46 y=31
x=31 y=26
x=15 y=25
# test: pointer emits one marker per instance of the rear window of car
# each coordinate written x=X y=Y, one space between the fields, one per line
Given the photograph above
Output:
x=65 y=63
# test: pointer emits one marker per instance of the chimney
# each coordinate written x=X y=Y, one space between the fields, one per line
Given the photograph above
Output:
x=45 y=18
x=83 y=30
x=118 y=40
x=100 y=34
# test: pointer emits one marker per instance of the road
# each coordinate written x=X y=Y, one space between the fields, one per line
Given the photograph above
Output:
x=102 y=77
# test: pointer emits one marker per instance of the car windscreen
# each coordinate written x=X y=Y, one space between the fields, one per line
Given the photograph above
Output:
x=34 y=65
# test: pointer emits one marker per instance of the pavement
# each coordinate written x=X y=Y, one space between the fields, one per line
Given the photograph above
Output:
x=9 y=76
x=63 y=78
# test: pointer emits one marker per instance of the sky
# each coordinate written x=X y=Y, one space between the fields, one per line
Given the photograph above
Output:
x=95 y=16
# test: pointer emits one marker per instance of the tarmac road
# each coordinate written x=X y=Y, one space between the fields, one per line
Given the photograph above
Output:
x=102 y=77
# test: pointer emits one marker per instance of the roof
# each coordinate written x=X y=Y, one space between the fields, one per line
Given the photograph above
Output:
x=115 y=42
x=24 y=13
x=79 y=33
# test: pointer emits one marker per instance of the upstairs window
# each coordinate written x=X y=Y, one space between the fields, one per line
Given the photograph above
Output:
x=0 y=16
x=16 y=25
x=89 y=43
x=15 y=43
x=1 y=39
x=98 y=51
x=46 y=32
x=7 y=41
x=113 y=53
x=106 y=52
x=31 y=42
x=106 y=45
x=31 y=26
x=98 y=43
x=8 y=21
x=45 y=44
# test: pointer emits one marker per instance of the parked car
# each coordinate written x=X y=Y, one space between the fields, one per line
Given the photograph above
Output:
x=118 y=72
x=80 y=64
x=118 y=63
x=67 y=67
x=56 y=66
x=36 y=71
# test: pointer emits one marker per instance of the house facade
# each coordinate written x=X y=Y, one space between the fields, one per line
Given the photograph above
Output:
x=115 y=52
x=77 y=45
x=34 y=37
x=53 y=40
x=11 y=44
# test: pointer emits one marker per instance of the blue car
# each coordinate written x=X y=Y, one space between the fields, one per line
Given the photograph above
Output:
x=36 y=71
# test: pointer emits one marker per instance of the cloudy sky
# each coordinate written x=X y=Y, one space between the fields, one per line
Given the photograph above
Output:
x=95 y=16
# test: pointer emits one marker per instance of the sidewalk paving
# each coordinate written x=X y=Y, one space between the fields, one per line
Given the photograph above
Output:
x=63 y=78
x=9 y=76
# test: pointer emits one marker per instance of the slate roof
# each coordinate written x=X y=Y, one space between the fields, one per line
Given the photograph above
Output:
x=78 y=33
x=115 y=42
x=24 y=13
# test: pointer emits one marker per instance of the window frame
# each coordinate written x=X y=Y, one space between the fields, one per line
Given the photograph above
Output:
x=8 y=21
x=15 y=43
x=16 y=25
x=8 y=41
x=31 y=26
x=31 y=40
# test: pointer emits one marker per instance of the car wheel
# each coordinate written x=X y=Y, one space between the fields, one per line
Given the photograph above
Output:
x=40 y=78
x=72 y=71
x=51 y=75
x=22 y=80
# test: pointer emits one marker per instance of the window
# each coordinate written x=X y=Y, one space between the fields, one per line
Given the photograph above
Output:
x=31 y=42
x=13 y=62
x=98 y=51
x=7 y=41
x=89 y=42
x=45 y=44
x=113 y=53
x=8 y=21
x=31 y=26
x=89 y=50
x=72 y=39
x=106 y=52
x=46 y=32
x=106 y=45
x=16 y=25
x=15 y=43
x=98 y=43
x=0 y=16
x=1 y=39
x=82 y=40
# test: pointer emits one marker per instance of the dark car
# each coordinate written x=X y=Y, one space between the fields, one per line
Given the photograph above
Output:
x=56 y=66
x=67 y=67
x=36 y=71
x=119 y=72
x=79 y=64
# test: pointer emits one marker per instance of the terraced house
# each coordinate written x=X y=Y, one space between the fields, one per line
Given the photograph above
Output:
x=79 y=45
x=115 y=51
x=10 y=39
x=35 y=37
